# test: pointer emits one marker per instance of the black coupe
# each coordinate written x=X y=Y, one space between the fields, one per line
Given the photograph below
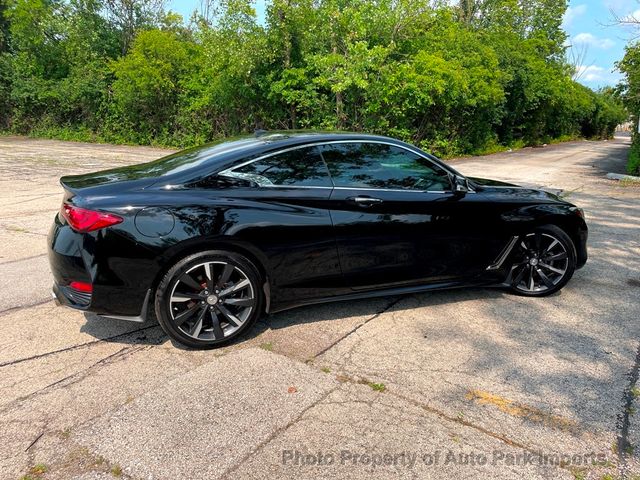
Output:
x=215 y=236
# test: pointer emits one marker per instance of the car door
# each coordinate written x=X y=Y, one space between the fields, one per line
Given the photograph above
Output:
x=397 y=220
x=282 y=209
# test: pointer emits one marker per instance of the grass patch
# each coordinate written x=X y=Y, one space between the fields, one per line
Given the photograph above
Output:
x=378 y=387
x=35 y=472
x=38 y=469
x=578 y=474
x=116 y=471
x=325 y=369
x=268 y=346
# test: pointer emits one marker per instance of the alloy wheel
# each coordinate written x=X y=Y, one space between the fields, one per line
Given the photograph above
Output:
x=542 y=261
x=212 y=300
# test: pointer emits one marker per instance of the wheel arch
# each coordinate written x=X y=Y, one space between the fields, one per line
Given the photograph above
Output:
x=192 y=246
x=573 y=226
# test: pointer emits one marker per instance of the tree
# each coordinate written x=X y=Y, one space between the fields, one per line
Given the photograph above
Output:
x=475 y=76
x=129 y=16
x=149 y=82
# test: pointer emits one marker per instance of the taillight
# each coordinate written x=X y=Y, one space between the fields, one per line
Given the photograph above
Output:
x=83 y=220
x=82 y=287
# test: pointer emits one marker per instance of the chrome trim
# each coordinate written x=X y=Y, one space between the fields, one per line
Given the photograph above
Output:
x=504 y=254
x=228 y=172
x=294 y=186
x=140 y=318
x=372 y=189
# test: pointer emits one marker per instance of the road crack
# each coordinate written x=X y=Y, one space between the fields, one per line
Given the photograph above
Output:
x=258 y=448
x=77 y=376
x=20 y=307
x=623 y=445
x=75 y=347
x=356 y=328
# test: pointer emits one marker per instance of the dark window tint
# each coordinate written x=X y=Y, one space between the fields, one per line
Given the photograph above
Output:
x=376 y=165
x=300 y=167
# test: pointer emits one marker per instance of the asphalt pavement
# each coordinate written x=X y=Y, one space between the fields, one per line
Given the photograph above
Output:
x=471 y=383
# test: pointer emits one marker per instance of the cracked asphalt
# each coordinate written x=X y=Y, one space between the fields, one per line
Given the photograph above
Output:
x=471 y=383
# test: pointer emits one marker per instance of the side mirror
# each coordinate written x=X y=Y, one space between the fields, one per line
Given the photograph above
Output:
x=460 y=185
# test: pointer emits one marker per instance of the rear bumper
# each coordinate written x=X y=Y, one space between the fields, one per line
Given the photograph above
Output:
x=118 y=289
x=67 y=296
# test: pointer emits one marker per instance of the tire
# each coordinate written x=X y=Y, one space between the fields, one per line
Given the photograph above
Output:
x=542 y=262
x=207 y=299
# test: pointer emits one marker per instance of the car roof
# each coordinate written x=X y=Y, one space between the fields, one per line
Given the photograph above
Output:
x=211 y=158
x=226 y=152
x=269 y=140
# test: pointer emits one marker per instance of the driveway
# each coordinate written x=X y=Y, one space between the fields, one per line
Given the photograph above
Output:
x=460 y=384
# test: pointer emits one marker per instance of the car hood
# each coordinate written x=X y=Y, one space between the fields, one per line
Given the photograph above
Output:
x=505 y=191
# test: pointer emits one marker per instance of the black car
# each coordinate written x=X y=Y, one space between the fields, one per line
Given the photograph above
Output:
x=215 y=236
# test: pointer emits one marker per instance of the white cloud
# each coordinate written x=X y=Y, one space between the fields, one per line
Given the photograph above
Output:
x=572 y=13
x=590 y=73
x=597 y=76
x=593 y=41
x=633 y=17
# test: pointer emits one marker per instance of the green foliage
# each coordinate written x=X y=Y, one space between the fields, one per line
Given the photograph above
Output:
x=629 y=91
x=478 y=77
x=633 y=164
x=148 y=84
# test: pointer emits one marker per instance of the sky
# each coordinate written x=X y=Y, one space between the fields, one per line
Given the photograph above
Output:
x=592 y=35
x=591 y=31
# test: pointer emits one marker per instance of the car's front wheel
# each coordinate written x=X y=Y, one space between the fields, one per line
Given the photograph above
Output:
x=543 y=261
x=209 y=298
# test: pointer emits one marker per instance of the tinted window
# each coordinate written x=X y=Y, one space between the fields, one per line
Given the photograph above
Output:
x=300 y=167
x=376 y=165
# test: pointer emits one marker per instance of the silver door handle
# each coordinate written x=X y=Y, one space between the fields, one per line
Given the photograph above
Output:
x=365 y=201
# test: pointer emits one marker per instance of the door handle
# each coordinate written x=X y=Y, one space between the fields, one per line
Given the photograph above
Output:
x=364 y=201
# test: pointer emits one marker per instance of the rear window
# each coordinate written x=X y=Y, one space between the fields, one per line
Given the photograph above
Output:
x=302 y=167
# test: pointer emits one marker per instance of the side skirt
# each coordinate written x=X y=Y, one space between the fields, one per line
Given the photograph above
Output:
x=384 y=293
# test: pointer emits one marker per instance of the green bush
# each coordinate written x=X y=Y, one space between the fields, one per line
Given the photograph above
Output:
x=633 y=163
x=450 y=82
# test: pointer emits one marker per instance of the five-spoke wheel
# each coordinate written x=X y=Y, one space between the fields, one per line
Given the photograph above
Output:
x=543 y=262
x=209 y=298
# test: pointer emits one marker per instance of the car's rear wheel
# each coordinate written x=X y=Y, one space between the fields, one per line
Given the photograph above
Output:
x=209 y=298
x=543 y=261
